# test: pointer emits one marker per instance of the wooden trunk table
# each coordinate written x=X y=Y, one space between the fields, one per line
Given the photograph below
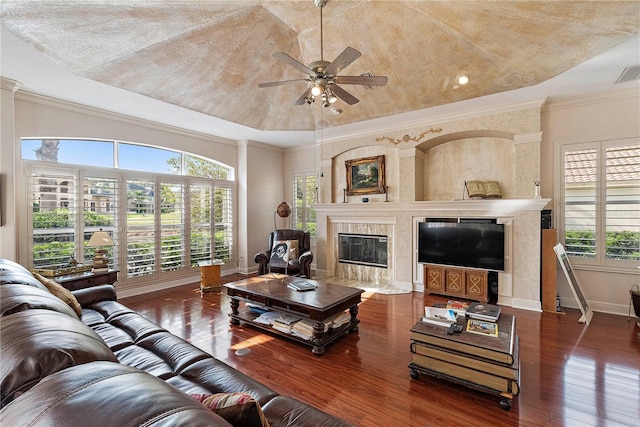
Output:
x=272 y=293
x=486 y=363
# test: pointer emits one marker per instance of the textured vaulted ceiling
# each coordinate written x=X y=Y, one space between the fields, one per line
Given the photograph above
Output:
x=209 y=56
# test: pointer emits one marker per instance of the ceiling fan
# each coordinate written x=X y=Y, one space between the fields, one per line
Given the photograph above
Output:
x=323 y=75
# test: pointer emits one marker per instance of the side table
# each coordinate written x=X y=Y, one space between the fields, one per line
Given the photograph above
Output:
x=87 y=279
x=210 y=275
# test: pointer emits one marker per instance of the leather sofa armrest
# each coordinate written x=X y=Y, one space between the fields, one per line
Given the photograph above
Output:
x=88 y=296
x=262 y=259
x=305 y=263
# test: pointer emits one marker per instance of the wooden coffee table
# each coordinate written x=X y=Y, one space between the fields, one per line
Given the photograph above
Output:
x=271 y=292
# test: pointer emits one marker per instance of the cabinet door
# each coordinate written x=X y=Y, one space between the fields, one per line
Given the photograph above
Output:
x=476 y=285
x=454 y=281
x=433 y=279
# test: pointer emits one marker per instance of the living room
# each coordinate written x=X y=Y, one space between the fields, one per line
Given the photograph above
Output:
x=429 y=154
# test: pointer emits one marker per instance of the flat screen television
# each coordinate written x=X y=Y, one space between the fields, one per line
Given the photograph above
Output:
x=463 y=244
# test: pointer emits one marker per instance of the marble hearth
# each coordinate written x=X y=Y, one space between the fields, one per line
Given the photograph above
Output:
x=519 y=284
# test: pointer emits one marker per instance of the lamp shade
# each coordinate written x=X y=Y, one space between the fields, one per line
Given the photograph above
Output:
x=283 y=210
x=100 y=238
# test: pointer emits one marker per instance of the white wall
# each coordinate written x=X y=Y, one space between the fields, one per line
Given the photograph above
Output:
x=266 y=189
x=590 y=119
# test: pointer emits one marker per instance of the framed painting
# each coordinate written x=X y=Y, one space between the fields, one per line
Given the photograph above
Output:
x=365 y=176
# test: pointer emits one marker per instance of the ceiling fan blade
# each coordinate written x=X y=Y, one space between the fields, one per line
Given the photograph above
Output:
x=344 y=95
x=294 y=63
x=281 y=83
x=303 y=99
x=362 y=80
x=342 y=61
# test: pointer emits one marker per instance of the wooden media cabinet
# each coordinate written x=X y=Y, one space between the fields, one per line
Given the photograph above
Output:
x=456 y=282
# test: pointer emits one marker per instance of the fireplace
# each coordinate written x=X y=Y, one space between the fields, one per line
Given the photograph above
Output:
x=362 y=249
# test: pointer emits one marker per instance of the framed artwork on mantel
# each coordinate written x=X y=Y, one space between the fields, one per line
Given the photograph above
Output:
x=365 y=176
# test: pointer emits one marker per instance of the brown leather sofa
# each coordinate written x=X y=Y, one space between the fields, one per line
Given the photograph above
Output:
x=298 y=266
x=111 y=366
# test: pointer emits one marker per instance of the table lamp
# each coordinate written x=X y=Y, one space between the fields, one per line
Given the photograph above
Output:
x=98 y=240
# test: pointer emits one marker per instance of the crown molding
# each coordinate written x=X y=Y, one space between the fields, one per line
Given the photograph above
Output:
x=73 y=107
x=369 y=128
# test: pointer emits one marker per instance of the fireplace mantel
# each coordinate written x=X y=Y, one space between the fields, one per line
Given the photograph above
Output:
x=502 y=206
x=519 y=284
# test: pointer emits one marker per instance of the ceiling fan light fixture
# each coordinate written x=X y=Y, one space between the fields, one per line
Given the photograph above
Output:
x=317 y=89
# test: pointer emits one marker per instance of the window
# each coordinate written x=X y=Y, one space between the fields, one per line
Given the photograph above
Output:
x=160 y=222
x=601 y=193
x=303 y=195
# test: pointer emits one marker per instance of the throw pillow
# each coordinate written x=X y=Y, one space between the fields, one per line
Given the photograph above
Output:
x=61 y=292
x=293 y=248
x=239 y=409
x=280 y=253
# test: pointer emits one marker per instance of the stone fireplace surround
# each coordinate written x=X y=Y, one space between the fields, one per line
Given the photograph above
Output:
x=519 y=284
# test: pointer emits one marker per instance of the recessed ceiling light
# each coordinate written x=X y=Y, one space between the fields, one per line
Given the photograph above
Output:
x=462 y=79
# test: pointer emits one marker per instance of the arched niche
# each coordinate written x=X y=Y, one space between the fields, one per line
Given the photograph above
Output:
x=452 y=159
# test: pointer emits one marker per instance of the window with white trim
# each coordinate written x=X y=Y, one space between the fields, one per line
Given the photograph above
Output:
x=159 y=223
x=304 y=187
x=600 y=212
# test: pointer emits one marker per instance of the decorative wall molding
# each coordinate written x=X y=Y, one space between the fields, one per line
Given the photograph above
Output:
x=408 y=138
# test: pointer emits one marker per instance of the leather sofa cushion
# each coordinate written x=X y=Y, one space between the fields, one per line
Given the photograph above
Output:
x=218 y=377
x=286 y=411
x=20 y=278
x=36 y=343
x=18 y=297
x=106 y=394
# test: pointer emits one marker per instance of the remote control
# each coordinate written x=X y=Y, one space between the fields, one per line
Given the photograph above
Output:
x=454 y=328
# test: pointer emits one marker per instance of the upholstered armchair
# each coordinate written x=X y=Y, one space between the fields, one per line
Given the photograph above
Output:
x=298 y=258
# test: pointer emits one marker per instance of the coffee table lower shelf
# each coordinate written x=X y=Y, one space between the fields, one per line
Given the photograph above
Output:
x=317 y=343
x=506 y=398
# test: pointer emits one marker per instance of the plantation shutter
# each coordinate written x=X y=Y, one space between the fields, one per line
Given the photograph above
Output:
x=172 y=226
x=54 y=213
x=223 y=220
x=580 y=207
x=622 y=168
x=100 y=205
x=200 y=241
x=140 y=235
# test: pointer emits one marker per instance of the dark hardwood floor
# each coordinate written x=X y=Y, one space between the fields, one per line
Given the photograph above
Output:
x=571 y=374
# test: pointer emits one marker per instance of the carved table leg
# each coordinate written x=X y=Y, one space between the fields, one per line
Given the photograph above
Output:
x=354 y=317
x=318 y=335
x=234 y=310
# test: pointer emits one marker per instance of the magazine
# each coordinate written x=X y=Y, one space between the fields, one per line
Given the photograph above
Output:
x=483 y=328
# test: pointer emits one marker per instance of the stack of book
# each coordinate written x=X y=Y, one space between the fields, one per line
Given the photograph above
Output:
x=459 y=307
x=304 y=327
x=285 y=322
x=340 y=319
x=482 y=311
x=302 y=285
